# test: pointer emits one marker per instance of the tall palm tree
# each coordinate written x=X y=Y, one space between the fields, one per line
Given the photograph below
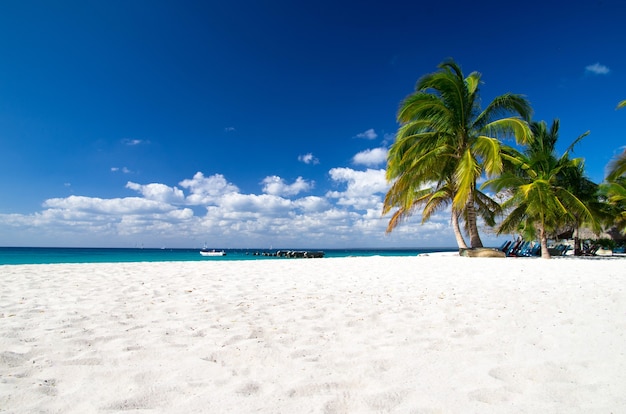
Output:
x=540 y=201
x=615 y=186
x=445 y=143
x=614 y=192
x=616 y=196
x=617 y=167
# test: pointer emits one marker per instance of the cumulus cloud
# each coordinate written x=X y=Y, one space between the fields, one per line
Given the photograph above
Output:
x=125 y=170
x=308 y=159
x=597 y=69
x=275 y=185
x=264 y=203
x=128 y=205
x=347 y=216
x=360 y=182
x=206 y=190
x=371 y=157
x=312 y=204
x=369 y=134
x=158 y=192
x=364 y=189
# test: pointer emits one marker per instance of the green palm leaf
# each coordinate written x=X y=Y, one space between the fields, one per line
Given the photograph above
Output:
x=617 y=167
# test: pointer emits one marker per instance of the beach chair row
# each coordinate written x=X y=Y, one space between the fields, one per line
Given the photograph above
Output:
x=521 y=248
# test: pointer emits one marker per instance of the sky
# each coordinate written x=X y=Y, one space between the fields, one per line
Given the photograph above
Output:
x=250 y=124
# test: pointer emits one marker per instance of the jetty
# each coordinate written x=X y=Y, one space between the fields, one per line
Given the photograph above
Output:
x=304 y=254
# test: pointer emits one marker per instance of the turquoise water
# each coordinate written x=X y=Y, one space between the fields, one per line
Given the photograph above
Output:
x=47 y=255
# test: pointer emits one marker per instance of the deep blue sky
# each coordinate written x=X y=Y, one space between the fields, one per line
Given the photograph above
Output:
x=110 y=109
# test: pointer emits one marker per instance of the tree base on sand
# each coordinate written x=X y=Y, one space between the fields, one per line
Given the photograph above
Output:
x=481 y=252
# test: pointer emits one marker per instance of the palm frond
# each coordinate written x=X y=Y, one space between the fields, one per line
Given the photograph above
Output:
x=487 y=208
x=504 y=106
x=436 y=202
x=509 y=127
x=574 y=205
x=466 y=174
x=503 y=181
x=418 y=105
x=489 y=149
x=576 y=141
x=512 y=221
x=617 y=167
x=472 y=82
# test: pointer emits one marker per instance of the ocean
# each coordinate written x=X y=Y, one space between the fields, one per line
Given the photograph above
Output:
x=49 y=255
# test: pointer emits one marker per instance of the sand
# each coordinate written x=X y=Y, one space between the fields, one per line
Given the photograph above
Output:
x=430 y=334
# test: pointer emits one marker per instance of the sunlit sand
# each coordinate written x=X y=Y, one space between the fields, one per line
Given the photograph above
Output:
x=428 y=334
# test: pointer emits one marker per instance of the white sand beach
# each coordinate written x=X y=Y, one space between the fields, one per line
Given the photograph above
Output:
x=430 y=334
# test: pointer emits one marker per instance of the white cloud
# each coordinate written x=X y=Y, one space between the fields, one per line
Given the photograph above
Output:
x=371 y=157
x=597 y=69
x=364 y=189
x=349 y=215
x=128 y=205
x=158 y=192
x=183 y=214
x=308 y=159
x=206 y=190
x=312 y=204
x=275 y=185
x=132 y=142
x=360 y=183
x=369 y=134
x=123 y=169
x=263 y=203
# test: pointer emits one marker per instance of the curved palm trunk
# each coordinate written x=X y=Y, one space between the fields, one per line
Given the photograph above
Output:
x=457 y=230
x=545 y=254
x=472 y=227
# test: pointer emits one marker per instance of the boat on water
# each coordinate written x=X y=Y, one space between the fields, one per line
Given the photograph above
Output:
x=212 y=252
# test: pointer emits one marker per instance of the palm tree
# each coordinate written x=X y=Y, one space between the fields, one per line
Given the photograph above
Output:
x=617 y=167
x=615 y=186
x=540 y=201
x=574 y=180
x=445 y=143
x=616 y=196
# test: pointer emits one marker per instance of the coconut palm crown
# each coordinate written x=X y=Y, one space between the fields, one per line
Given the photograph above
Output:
x=537 y=181
x=445 y=143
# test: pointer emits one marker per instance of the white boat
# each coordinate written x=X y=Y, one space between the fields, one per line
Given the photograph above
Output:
x=213 y=252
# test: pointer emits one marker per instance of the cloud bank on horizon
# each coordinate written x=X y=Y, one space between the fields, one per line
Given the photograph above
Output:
x=212 y=209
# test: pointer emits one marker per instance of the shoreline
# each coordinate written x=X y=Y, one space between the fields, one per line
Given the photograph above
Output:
x=125 y=255
x=357 y=334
